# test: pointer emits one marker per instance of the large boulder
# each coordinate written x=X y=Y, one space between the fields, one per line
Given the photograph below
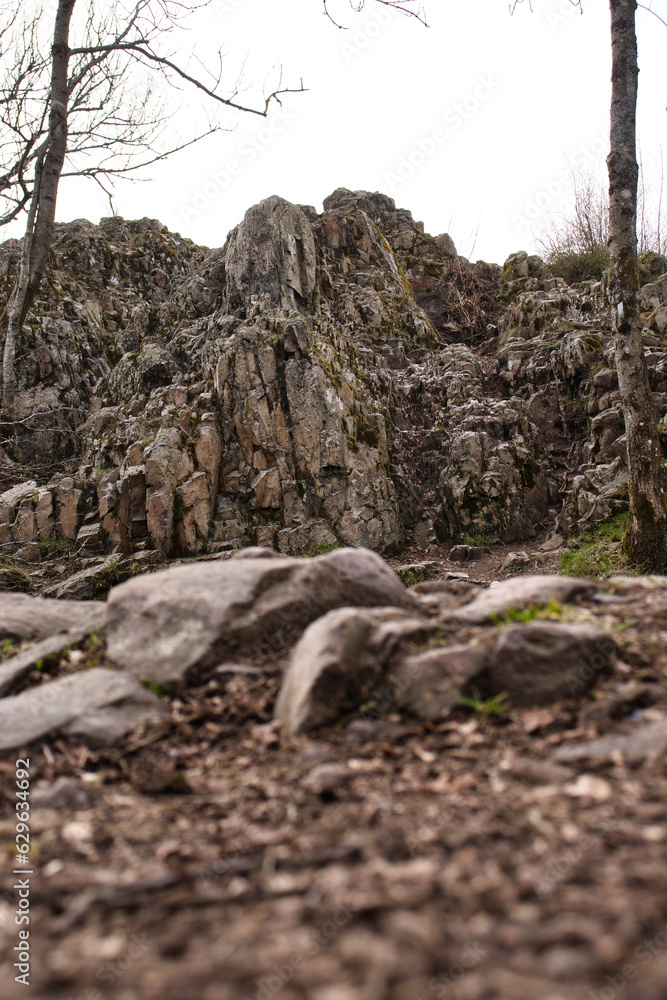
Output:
x=164 y=625
x=540 y=662
x=330 y=671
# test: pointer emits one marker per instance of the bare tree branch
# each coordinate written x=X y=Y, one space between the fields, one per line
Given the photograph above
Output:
x=515 y=3
x=112 y=104
x=650 y=10
x=403 y=6
x=137 y=51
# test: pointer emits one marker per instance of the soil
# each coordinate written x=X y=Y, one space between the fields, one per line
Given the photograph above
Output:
x=381 y=859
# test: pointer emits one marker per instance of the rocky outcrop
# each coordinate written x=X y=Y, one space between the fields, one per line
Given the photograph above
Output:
x=326 y=379
x=270 y=260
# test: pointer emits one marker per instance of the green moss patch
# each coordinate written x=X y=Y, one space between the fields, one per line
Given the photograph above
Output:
x=598 y=554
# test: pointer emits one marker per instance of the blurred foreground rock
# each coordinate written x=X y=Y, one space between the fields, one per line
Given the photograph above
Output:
x=340 y=630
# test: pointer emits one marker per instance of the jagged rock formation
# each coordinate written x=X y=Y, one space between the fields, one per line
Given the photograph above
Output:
x=326 y=379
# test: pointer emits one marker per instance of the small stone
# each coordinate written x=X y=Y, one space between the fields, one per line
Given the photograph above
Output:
x=361 y=730
x=515 y=561
x=315 y=753
x=98 y=705
x=589 y=786
x=24 y=617
x=465 y=553
x=64 y=793
x=646 y=741
x=445 y=243
x=429 y=684
x=330 y=672
x=326 y=778
x=30 y=553
x=553 y=543
x=539 y=772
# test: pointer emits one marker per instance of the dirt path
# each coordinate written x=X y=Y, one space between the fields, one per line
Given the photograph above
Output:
x=461 y=859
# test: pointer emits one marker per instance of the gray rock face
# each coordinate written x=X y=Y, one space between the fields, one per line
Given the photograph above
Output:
x=153 y=367
x=493 y=482
x=99 y=705
x=297 y=446
x=597 y=493
x=163 y=625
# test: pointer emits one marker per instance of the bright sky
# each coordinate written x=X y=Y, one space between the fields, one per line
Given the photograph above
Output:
x=470 y=124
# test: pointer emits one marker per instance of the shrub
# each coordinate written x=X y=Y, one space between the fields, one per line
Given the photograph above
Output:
x=575 y=245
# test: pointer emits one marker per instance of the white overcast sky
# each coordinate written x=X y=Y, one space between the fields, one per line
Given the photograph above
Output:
x=511 y=102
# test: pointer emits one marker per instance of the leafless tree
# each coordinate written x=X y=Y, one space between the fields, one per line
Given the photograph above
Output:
x=89 y=104
x=646 y=539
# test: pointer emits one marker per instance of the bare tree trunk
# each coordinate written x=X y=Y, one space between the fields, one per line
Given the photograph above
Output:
x=16 y=305
x=646 y=539
x=56 y=149
x=42 y=214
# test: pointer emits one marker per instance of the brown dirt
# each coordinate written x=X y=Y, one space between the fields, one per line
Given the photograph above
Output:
x=210 y=860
